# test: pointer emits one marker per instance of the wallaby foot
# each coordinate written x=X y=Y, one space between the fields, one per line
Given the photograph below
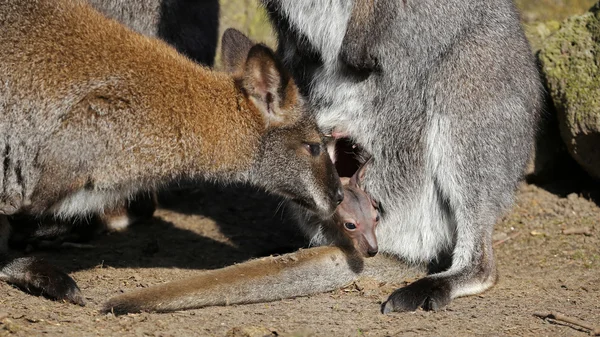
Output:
x=427 y=293
x=33 y=275
x=38 y=277
x=436 y=291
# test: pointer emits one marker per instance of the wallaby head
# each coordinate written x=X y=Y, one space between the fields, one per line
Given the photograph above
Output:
x=357 y=216
x=292 y=160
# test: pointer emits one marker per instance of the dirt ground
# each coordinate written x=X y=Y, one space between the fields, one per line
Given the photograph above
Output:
x=198 y=228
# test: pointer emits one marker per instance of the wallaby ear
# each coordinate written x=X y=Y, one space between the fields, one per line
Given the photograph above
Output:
x=234 y=50
x=359 y=176
x=269 y=87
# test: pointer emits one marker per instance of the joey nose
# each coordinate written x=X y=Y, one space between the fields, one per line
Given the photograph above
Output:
x=372 y=252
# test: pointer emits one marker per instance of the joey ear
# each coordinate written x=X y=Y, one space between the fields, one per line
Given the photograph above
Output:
x=234 y=50
x=269 y=87
x=345 y=181
x=358 y=177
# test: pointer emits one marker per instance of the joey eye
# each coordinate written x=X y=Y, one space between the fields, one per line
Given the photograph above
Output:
x=313 y=148
x=350 y=226
x=377 y=218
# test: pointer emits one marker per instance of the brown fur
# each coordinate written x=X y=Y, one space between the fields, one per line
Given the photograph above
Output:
x=260 y=280
x=194 y=107
x=120 y=110
x=93 y=114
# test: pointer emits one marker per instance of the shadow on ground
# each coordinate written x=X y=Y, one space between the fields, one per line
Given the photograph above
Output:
x=222 y=225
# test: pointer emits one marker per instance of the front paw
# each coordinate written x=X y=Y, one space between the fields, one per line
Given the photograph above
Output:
x=426 y=293
x=41 y=278
x=56 y=284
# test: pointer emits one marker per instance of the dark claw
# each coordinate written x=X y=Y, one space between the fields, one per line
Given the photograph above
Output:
x=427 y=293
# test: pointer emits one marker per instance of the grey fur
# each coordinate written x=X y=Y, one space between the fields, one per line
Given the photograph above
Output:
x=446 y=97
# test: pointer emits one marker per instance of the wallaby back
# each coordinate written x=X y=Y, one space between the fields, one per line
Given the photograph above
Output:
x=192 y=27
x=87 y=102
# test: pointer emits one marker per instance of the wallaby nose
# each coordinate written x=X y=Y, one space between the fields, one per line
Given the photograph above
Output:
x=372 y=252
x=339 y=195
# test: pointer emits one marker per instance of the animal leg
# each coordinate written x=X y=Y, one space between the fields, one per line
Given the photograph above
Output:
x=35 y=275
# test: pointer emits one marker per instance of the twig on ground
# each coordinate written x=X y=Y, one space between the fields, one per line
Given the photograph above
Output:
x=594 y=331
x=77 y=245
x=510 y=237
x=581 y=230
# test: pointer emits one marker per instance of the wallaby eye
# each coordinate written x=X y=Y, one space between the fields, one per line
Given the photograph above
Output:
x=350 y=226
x=313 y=148
x=377 y=218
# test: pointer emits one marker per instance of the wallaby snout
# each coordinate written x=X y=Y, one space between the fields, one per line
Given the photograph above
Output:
x=339 y=195
x=293 y=161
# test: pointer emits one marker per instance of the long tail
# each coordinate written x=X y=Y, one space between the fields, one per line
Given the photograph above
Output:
x=306 y=272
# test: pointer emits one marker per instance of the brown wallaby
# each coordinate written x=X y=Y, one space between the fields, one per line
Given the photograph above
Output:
x=92 y=113
x=353 y=224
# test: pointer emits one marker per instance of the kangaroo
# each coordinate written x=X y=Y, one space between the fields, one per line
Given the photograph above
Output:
x=92 y=113
x=446 y=97
x=191 y=26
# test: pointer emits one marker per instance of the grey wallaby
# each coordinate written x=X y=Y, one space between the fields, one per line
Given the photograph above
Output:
x=92 y=113
x=446 y=96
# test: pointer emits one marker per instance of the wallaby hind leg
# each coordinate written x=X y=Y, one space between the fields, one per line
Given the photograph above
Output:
x=434 y=292
x=472 y=268
x=478 y=142
x=34 y=275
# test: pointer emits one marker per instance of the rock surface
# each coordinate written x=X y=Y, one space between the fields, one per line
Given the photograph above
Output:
x=570 y=60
